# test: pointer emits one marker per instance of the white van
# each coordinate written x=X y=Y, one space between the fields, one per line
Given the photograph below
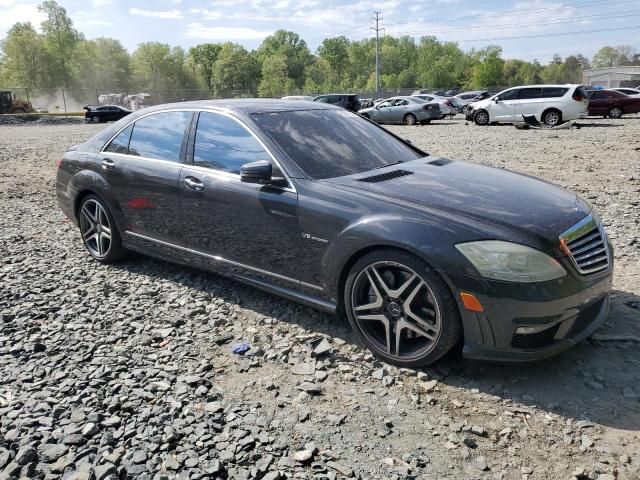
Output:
x=551 y=105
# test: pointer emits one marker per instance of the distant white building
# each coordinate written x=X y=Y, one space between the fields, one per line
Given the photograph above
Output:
x=612 y=77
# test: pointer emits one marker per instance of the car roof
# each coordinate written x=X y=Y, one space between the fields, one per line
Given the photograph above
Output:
x=245 y=106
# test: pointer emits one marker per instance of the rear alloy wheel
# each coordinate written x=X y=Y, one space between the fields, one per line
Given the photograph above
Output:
x=551 y=118
x=615 y=112
x=401 y=309
x=95 y=119
x=410 y=119
x=99 y=232
x=481 y=117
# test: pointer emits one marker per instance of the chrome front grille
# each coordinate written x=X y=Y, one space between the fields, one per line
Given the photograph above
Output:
x=586 y=244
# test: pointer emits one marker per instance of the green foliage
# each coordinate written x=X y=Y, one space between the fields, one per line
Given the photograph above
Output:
x=489 y=67
x=204 y=56
x=235 y=69
x=23 y=55
x=290 y=47
x=60 y=39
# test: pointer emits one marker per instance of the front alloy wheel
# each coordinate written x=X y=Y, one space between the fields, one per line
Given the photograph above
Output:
x=99 y=232
x=481 y=117
x=401 y=309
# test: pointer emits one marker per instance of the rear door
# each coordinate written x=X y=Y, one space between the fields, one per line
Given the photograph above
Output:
x=528 y=102
x=142 y=167
x=248 y=228
x=598 y=103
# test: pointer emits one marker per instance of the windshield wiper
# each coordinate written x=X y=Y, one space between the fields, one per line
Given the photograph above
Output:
x=388 y=165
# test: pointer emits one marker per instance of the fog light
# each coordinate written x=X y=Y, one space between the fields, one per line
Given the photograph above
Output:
x=530 y=330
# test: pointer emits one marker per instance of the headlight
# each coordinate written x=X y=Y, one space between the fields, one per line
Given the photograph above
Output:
x=511 y=261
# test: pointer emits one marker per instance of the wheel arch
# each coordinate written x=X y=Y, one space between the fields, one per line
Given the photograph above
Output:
x=357 y=255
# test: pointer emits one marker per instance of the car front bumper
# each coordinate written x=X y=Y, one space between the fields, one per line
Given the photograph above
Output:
x=528 y=322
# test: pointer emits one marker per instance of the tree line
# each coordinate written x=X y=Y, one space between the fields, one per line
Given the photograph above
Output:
x=61 y=56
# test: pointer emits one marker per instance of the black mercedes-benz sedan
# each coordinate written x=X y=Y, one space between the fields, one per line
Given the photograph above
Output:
x=104 y=113
x=315 y=203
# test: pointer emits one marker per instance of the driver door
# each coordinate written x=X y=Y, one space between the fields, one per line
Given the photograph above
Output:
x=398 y=110
x=503 y=108
x=383 y=111
x=247 y=228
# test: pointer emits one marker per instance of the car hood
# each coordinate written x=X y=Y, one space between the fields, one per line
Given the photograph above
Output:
x=491 y=195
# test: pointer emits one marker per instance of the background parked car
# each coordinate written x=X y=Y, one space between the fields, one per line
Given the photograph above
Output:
x=104 y=113
x=407 y=110
x=550 y=104
x=446 y=107
x=350 y=101
x=612 y=104
x=298 y=97
x=467 y=98
x=627 y=91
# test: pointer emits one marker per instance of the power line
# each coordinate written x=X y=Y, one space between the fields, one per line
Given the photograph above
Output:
x=544 y=35
x=604 y=16
x=505 y=13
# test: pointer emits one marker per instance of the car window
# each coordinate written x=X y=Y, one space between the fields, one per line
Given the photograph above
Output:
x=529 y=93
x=508 y=95
x=597 y=95
x=120 y=144
x=159 y=135
x=321 y=99
x=224 y=144
x=333 y=143
x=553 y=92
x=386 y=103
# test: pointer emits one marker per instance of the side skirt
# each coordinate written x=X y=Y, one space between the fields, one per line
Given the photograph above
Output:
x=183 y=257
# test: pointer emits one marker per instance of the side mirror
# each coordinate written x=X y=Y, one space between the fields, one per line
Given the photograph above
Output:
x=497 y=100
x=256 y=172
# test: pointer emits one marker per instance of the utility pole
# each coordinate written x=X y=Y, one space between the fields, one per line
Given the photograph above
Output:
x=378 y=29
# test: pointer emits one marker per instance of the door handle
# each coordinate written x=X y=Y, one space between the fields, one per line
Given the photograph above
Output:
x=193 y=183
x=108 y=164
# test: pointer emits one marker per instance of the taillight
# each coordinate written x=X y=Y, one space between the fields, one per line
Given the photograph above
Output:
x=58 y=163
x=447 y=102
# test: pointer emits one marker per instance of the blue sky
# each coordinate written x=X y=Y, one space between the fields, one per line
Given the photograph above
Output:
x=470 y=22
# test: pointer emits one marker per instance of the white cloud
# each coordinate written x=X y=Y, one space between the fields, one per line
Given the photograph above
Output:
x=168 y=14
x=205 y=14
x=199 y=31
x=101 y=3
x=10 y=14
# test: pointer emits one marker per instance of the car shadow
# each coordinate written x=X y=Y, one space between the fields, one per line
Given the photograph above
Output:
x=595 y=380
x=595 y=125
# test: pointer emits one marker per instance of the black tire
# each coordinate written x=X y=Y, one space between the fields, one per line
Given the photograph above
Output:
x=409 y=119
x=615 y=112
x=99 y=231
x=19 y=110
x=428 y=290
x=481 y=117
x=95 y=119
x=552 y=117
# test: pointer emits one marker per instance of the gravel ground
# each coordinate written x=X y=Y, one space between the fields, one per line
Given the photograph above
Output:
x=126 y=371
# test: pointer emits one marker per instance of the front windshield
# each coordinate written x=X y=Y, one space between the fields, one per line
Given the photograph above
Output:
x=333 y=143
